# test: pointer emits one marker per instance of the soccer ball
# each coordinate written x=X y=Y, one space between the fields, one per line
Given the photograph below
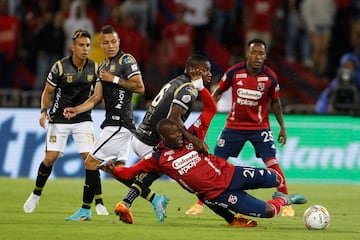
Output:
x=316 y=217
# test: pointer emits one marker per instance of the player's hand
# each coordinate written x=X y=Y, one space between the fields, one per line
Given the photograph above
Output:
x=69 y=112
x=196 y=78
x=43 y=117
x=106 y=76
x=282 y=137
x=195 y=73
x=201 y=146
x=106 y=166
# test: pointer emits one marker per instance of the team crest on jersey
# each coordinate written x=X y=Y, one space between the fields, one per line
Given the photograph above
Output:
x=221 y=142
x=112 y=68
x=189 y=146
x=90 y=138
x=52 y=139
x=69 y=78
x=90 y=77
x=232 y=199
x=261 y=87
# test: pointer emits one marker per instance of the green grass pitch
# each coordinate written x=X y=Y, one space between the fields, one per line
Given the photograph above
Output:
x=62 y=197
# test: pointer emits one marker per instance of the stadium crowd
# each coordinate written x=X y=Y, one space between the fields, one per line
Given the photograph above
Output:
x=305 y=38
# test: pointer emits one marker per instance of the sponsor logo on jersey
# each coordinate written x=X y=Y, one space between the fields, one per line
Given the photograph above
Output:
x=129 y=59
x=90 y=77
x=191 y=90
x=241 y=75
x=262 y=79
x=52 y=139
x=69 y=78
x=134 y=67
x=186 y=162
x=246 y=102
x=55 y=69
x=186 y=98
x=261 y=86
x=248 y=93
x=232 y=199
x=240 y=83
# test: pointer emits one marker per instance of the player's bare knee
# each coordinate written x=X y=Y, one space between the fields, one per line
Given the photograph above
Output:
x=91 y=163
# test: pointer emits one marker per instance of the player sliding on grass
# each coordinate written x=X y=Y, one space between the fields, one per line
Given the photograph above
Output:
x=219 y=184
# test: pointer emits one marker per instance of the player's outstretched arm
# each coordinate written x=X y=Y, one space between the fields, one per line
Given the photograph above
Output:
x=89 y=104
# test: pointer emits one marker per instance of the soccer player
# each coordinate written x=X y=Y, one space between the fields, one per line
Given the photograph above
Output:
x=174 y=101
x=118 y=78
x=254 y=87
x=215 y=181
x=71 y=80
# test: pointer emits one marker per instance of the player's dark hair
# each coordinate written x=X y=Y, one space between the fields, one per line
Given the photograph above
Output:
x=163 y=125
x=80 y=33
x=107 y=29
x=195 y=59
x=257 y=40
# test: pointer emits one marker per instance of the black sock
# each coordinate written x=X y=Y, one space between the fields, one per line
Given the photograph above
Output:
x=98 y=194
x=141 y=187
x=92 y=180
x=222 y=212
x=43 y=175
x=133 y=193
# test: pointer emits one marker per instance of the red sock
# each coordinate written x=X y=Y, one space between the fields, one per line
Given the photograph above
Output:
x=273 y=164
x=200 y=203
x=277 y=203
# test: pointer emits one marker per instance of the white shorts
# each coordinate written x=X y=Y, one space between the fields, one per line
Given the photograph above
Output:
x=57 y=135
x=141 y=149
x=112 y=144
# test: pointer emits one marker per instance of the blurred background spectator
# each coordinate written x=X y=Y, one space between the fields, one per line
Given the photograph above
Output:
x=342 y=94
x=197 y=14
x=158 y=33
x=177 y=40
x=10 y=43
x=297 y=38
x=77 y=19
x=319 y=18
x=49 y=47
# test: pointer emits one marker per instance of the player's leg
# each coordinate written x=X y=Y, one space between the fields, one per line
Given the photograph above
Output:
x=141 y=186
x=233 y=220
x=240 y=201
x=84 y=137
x=56 y=139
x=229 y=144
x=112 y=144
x=263 y=142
